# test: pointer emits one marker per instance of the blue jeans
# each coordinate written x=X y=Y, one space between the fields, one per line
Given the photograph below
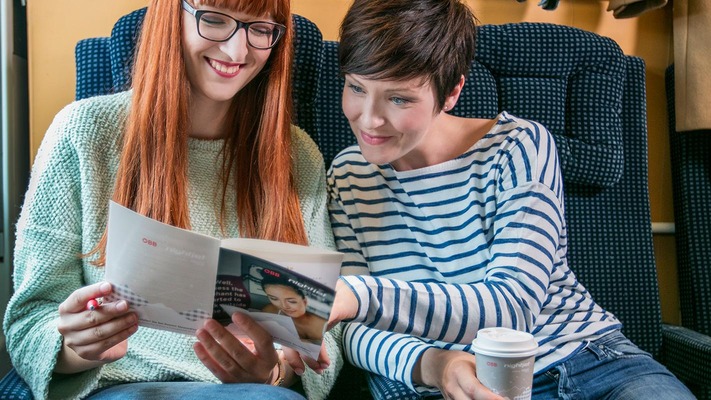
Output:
x=609 y=368
x=194 y=390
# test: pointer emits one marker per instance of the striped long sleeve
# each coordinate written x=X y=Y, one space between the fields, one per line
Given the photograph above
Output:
x=474 y=242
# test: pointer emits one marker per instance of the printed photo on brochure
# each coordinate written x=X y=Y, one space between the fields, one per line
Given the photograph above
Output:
x=291 y=306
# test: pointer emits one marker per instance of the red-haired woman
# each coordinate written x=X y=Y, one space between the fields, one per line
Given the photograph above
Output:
x=202 y=141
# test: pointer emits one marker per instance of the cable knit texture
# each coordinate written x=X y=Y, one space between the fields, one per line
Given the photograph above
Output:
x=64 y=215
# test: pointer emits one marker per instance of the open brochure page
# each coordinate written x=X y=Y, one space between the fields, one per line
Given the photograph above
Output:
x=294 y=309
x=166 y=274
x=175 y=279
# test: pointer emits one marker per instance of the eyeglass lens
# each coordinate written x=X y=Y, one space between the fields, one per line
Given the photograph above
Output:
x=219 y=27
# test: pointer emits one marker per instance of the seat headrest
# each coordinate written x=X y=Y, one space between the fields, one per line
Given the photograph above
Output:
x=570 y=80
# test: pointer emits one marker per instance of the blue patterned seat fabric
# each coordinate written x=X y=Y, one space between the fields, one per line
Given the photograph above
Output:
x=691 y=179
x=103 y=64
x=124 y=37
x=91 y=55
x=579 y=84
x=12 y=387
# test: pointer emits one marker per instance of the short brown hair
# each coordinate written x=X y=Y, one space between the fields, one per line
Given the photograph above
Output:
x=406 y=39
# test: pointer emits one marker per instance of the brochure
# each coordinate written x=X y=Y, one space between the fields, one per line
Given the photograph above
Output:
x=175 y=279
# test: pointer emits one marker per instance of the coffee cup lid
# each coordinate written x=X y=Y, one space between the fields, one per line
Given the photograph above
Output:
x=504 y=342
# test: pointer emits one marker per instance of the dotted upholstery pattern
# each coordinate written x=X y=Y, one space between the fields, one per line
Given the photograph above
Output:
x=103 y=64
x=387 y=389
x=480 y=94
x=308 y=44
x=93 y=74
x=688 y=354
x=124 y=37
x=609 y=230
x=333 y=132
x=691 y=178
x=12 y=387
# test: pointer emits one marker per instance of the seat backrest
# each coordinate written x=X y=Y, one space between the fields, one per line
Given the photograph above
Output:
x=691 y=185
x=103 y=64
x=592 y=98
x=93 y=67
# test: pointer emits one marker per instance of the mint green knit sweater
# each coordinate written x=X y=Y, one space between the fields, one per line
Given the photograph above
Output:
x=64 y=215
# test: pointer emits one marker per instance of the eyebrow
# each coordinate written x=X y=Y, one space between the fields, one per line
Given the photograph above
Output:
x=402 y=90
x=399 y=89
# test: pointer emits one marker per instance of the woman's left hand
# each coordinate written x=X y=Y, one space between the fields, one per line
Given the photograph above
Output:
x=296 y=361
x=232 y=360
x=454 y=373
x=345 y=305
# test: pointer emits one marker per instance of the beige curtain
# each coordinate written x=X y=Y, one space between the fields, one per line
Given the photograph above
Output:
x=692 y=62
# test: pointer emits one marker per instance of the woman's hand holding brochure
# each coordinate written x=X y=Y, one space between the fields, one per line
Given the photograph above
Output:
x=93 y=337
x=233 y=360
x=345 y=305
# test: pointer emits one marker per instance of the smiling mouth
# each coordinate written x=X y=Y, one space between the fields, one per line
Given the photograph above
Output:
x=373 y=140
x=224 y=69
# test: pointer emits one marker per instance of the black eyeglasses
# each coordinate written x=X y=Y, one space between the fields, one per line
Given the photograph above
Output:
x=219 y=27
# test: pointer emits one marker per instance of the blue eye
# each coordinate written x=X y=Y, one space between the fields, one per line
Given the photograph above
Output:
x=355 y=89
x=399 y=101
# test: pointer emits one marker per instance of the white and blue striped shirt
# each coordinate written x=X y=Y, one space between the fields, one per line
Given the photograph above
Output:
x=443 y=251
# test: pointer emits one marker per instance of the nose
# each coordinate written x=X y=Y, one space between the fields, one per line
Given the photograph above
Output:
x=371 y=116
x=236 y=47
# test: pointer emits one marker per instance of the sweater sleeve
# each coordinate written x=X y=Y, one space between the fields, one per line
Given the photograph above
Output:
x=310 y=177
x=47 y=267
x=511 y=294
x=317 y=386
x=393 y=355
x=319 y=226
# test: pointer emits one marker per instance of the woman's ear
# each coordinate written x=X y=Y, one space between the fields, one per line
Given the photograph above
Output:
x=451 y=100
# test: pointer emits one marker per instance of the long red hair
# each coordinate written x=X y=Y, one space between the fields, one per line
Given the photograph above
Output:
x=152 y=174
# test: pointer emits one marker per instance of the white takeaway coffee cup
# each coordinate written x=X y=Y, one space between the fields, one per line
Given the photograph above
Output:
x=504 y=361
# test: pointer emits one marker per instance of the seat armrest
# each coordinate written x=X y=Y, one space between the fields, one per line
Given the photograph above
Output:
x=687 y=354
